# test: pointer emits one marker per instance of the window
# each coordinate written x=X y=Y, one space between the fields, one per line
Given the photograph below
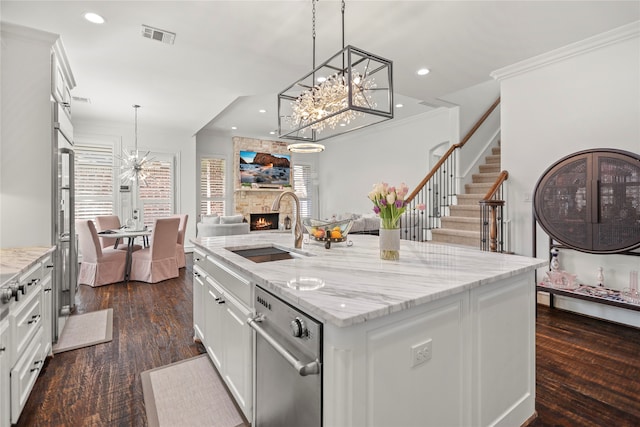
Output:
x=94 y=180
x=302 y=188
x=156 y=198
x=212 y=186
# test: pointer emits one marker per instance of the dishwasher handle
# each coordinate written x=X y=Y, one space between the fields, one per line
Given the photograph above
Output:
x=311 y=368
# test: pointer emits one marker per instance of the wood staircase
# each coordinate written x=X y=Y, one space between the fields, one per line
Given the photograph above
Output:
x=463 y=225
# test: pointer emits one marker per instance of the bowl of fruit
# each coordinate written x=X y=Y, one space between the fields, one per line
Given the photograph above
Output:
x=327 y=231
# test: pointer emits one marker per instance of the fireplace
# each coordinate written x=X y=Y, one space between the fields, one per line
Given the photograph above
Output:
x=263 y=221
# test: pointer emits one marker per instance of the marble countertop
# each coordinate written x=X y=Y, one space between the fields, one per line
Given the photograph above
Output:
x=14 y=261
x=346 y=285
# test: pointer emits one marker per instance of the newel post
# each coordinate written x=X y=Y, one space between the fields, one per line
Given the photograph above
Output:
x=493 y=221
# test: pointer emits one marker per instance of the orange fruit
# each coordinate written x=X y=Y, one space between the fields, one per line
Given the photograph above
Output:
x=336 y=234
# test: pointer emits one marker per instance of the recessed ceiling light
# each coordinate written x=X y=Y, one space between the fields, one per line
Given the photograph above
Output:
x=399 y=105
x=423 y=71
x=262 y=111
x=272 y=132
x=234 y=127
x=94 y=18
x=321 y=79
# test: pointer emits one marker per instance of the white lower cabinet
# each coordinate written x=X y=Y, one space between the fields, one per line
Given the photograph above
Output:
x=24 y=375
x=198 y=303
x=237 y=352
x=213 y=339
x=5 y=367
x=47 y=304
x=225 y=333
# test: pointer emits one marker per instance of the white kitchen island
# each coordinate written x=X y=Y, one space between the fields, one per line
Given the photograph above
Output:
x=443 y=337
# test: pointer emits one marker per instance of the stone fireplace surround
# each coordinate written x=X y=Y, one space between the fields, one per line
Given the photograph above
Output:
x=249 y=200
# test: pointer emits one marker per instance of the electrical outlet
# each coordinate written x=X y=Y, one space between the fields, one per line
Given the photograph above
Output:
x=420 y=353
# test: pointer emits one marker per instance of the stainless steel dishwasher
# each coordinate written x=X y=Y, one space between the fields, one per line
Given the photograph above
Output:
x=288 y=389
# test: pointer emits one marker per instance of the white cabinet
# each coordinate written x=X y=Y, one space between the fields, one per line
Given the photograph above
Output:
x=30 y=318
x=24 y=375
x=28 y=208
x=467 y=359
x=199 y=276
x=5 y=367
x=213 y=339
x=237 y=351
x=47 y=304
x=225 y=333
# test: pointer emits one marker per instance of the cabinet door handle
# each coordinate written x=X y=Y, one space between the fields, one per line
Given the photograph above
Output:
x=220 y=300
x=2 y=349
x=47 y=290
x=34 y=319
x=49 y=265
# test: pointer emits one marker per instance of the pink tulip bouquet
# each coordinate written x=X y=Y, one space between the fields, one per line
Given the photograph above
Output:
x=389 y=203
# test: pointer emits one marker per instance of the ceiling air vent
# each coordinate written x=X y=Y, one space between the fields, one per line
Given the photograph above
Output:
x=158 y=34
x=81 y=99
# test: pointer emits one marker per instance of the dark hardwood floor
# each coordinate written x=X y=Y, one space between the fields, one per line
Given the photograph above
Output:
x=100 y=385
x=588 y=371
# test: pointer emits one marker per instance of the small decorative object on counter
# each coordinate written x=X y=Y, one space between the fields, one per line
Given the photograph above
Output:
x=390 y=244
x=600 y=277
x=389 y=205
x=631 y=294
x=287 y=223
x=328 y=231
x=555 y=264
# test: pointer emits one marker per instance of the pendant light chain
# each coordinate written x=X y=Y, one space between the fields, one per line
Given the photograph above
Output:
x=342 y=10
x=135 y=140
x=313 y=31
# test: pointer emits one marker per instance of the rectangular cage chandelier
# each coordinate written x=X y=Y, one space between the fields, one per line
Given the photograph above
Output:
x=350 y=91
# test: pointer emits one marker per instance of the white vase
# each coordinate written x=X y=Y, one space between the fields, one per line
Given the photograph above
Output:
x=390 y=244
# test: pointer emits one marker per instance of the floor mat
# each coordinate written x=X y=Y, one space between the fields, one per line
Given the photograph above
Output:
x=83 y=330
x=188 y=393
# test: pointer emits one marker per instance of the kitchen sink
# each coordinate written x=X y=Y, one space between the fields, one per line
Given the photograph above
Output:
x=267 y=254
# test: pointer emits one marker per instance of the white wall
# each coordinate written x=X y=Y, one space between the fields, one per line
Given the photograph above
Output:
x=395 y=152
x=474 y=102
x=581 y=97
x=164 y=140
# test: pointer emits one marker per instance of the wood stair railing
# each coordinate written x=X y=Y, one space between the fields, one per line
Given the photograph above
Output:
x=492 y=210
x=437 y=191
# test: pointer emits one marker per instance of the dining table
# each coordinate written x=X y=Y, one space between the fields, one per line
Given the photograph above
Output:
x=130 y=235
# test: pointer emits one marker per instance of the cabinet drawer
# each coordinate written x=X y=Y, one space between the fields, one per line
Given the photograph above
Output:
x=199 y=259
x=25 y=322
x=230 y=281
x=31 y=278
x=24 y=375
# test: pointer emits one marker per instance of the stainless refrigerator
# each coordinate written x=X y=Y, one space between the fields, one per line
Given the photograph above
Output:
x=64 y=235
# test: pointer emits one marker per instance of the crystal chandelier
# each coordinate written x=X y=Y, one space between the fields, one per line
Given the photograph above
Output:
x=135 y=168
x=351 y=90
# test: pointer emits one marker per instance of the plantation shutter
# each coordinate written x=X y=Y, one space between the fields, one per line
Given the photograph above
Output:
x=302 y=188
x=94 y=181
x=157 y=196
x=212 y=186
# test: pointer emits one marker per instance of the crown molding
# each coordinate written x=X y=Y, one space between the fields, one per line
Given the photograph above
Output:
x=578 y=48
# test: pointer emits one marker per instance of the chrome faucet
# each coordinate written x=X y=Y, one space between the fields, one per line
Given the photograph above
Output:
x=297 y=229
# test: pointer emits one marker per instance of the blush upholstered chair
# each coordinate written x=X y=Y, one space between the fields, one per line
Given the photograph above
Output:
x=110 y=222
x=100 y=266
x=182 y=228
x=158 y=262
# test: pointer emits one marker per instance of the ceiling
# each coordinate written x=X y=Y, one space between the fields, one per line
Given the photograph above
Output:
x=231 y=58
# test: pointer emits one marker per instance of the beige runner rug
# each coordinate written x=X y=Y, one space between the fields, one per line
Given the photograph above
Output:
x=188 y=393
x=83 y=330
